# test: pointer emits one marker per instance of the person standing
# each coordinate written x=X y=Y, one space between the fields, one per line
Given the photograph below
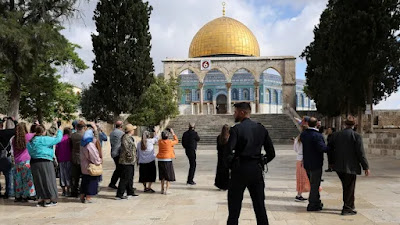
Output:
x=329 y=133
x=146 y=160
x=349 y=154
x=302 y=182
x=115 y=141
x=165 y=155
x=189 y=143
x=222 y=176
x=127 y=159
x=76 y=172
x=313 y=158
x=5 y=160
x=63 y=153
x=42 y=155
x=23 y=180
x=246 y=163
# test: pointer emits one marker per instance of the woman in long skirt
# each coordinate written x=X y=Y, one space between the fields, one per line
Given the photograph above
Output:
x=146 y=160
x=302 y=182
x=222 y=176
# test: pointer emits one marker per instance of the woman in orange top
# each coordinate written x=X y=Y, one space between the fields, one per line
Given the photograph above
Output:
x=165 y=155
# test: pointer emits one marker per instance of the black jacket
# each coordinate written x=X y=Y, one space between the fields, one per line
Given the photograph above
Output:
x=247 y=139
x=190 y=139
x=348 y=151
x=313 y=149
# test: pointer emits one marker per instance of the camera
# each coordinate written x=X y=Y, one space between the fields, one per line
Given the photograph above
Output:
x=168 y=129
x=89 y=126
x=59 y=123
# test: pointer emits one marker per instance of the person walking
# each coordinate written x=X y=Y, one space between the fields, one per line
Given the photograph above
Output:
x=42 y=155
x=115 y=141
x=302 y=182
x=89 y=154
x=165 y=155
x=5 y=159
x=63 y=154
x=146 y=160
x=76 y=171
x=329 y=133
x=349 y=154
x=246 y=163
x=189 y=143
x=222 y=176
x=313 y=158
x=23 y=179
x=127 y=159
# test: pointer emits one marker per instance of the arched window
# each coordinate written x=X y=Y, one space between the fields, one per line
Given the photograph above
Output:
x=209 y=94
x=297 y=100
x=301 y=100
x=188 y=95
x=275 y=97
x=268 y=96
x=235 y=94
x=246 y=94
x=280 y=98
x=306 y=102
x=198 y=95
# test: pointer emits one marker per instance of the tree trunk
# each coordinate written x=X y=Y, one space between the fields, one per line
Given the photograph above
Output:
x=360 y=120
x=370 y=120
x=40 y=116
x=15 y=96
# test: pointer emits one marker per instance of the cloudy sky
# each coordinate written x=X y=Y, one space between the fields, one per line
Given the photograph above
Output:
x=282 y=27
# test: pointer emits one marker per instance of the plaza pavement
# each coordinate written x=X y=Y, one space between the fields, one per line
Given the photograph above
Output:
x=377 y=198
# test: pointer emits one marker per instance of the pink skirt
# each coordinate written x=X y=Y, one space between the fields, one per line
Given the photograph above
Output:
x=302 y=182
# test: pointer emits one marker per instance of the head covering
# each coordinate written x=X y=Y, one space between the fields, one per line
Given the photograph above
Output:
x=87 y=138
x=350 y=121
x=129 y=128
x=191 y=125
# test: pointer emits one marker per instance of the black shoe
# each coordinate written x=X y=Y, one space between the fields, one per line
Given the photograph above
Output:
x=121 y=198
x=18 y=199
x=348 y=212
x=5 y=196
x=191 y=183
x=329 y=170
x=300 y=199
x=322 y=180
x=313 y=209
x=112 y=186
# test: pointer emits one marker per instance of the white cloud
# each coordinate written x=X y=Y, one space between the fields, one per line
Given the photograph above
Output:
x=174 y=23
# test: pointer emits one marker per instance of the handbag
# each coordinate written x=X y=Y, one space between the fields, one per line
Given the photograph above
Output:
x=95 y=170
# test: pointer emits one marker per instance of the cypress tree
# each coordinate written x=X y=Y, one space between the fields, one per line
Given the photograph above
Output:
x=123 y=66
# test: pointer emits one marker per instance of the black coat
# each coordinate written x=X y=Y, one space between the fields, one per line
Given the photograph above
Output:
x=313 y=149
x=348 y=152
x=190 y=139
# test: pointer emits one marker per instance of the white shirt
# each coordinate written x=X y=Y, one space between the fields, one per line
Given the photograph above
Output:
x=147 y=155
x=298 y=148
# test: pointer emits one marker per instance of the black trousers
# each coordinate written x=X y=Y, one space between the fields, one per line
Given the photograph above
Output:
x=247 y=175
x=117 y=172
x=314 y=176
x=126 y=181
x=348 y=185
x=191 y=154
x=75 y=177
x=330 y=158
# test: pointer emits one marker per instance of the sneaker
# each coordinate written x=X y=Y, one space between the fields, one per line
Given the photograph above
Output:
x=348 y=212
x=151 y=190
x=18 y=199
x=121 y=198
x=50 y=204
x=132 y=195
x=112 y=186
x=191 y=183
x=300 y=199
x=40 y=204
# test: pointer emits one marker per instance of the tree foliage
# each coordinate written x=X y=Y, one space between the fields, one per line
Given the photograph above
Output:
x=157 y=103
x=123 y=66
x=31 y=40
x=355 y=53
x=92 y=107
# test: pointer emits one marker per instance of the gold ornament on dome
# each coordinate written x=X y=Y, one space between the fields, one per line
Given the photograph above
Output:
x=224 y=36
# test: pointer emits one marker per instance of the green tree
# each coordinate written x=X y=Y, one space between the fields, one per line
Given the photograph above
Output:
x=354 y=58
x=3 y=95
x=157 y=103
x=30 y=37
x=123 y=66
x=92 y=106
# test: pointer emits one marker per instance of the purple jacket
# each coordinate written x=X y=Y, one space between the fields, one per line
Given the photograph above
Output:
x=21 y=155
x=64 y=149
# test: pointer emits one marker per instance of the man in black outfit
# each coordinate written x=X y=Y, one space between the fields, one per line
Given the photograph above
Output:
x=313 y=159
x=349 y=154
x=189 y=142
x=246 y=162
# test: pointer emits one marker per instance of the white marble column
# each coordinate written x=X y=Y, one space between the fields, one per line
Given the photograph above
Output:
x=192 y=106
x=201 y=97
x=256 y=96
x=214 y=105
x=208 y=108
x=229 y=103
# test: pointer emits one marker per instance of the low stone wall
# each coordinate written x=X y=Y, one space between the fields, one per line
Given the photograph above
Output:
x=382 y=144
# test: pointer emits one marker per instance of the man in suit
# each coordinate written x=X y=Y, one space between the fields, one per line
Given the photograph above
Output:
x=348 y=152
x=189 y=142
x=313 y=158
x=246 y=163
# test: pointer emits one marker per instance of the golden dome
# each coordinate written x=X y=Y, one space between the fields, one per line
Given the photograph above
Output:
x=224 y=36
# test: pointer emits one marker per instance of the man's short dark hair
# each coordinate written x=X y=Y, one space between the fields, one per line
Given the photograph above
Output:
x=312 y=122
x=245 y=106
x=81 y=124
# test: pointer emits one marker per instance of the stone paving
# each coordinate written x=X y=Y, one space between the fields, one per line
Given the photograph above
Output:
x=377 y=198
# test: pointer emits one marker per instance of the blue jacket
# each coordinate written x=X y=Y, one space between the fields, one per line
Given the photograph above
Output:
x=41 y=147
x=313 y=149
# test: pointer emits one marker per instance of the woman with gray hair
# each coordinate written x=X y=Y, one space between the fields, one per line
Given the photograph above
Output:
x=146 y=160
